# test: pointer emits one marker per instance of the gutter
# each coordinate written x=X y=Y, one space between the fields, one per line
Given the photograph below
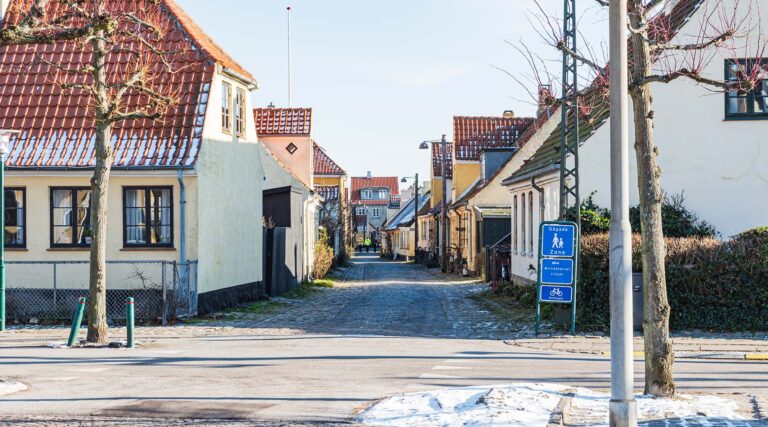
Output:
x=252 y=84
x=541 y=197
x=183 y=222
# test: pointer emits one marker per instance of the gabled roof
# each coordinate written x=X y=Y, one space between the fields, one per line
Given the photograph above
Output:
x=57 y=126
x=358 y=183
x=324 y=165
x=271 y=121
x=472 y=134
x=405 y=217
x=547 y=157
x=437 y=160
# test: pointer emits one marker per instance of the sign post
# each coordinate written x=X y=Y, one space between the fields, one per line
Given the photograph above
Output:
x=558 y=263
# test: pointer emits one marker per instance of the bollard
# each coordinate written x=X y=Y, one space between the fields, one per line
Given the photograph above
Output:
x=129 y=320
x=76 y=321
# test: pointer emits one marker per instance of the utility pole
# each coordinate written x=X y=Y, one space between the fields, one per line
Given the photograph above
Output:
x=444 y=209
x=622 y=407
x=289 y=56
x=416 y=216
x=570 y=201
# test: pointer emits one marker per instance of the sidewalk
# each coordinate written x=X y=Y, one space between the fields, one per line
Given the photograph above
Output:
x=684 y=347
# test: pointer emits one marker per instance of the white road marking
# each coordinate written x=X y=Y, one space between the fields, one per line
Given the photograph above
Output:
x=89 y=370
x=442 y=367
x=57 y=378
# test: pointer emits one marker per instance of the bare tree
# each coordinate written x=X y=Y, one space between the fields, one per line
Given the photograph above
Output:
x=655 y=57
x=134 y=89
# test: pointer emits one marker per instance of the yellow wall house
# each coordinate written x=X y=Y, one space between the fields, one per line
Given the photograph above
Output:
x=330 y=182
x=429 y=220
x=185 y=188
x=482 y=145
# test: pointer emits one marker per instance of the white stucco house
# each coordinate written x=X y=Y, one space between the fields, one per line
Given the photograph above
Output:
x=713 y=148
x=186 y=188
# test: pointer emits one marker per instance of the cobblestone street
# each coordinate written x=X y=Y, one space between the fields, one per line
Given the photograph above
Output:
x=381 y=297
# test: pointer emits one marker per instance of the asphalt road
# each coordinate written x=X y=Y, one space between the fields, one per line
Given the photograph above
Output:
x=331 y=364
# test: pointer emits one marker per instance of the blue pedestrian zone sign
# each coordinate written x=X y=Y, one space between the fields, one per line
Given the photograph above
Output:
x=562 y=294
x=556 y=271
x=558 y=240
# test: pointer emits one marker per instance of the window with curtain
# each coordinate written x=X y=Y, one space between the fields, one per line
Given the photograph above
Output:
x=743 y=103
x=71 y=217
x=148 y=216
x=240 y=112
x=226 y=107
x=15 y=218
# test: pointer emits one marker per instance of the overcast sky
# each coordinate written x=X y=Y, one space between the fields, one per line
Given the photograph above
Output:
x=383 y=76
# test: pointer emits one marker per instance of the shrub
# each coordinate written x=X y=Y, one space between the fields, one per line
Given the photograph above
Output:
x=594 y=219
x=323 y=256
x=677 y=220
x=712 y=285
x=525 y=294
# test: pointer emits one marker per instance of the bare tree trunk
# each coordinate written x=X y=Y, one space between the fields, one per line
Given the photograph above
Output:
x=658 y=347
x=97 y=304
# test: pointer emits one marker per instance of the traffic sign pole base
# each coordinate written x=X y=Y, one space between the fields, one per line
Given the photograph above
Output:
x=622 y=413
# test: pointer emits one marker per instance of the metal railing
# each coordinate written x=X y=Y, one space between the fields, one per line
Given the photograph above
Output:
x=48 y=291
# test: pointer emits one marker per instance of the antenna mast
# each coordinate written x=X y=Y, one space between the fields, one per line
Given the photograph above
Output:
x=289 y=56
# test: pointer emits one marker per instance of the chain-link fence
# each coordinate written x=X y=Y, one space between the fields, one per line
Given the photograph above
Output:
x=48 y=291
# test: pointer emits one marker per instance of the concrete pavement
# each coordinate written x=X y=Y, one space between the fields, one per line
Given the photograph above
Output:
x=393 y=328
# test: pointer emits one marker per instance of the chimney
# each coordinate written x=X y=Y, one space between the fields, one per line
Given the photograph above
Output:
x=508 y=114
x=3 y=9
x=369 y=175
x=545 y=99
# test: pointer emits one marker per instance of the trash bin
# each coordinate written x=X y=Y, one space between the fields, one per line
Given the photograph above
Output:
x=637 y=301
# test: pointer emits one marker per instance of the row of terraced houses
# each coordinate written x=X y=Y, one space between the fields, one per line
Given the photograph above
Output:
x=204 y=194
x=503 y=172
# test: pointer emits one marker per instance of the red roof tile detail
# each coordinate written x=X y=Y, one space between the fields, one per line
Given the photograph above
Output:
x=328 y=192
x=283 y=121
x=324 y=165
x=360 y=182
x=437 y=160
x=473 y=134
x=57 y=126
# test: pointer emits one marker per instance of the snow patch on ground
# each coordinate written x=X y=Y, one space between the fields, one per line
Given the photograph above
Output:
x=508 y=405
x=8 y=387
x=529 y=404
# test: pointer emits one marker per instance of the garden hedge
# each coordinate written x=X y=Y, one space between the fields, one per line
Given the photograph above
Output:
x=712 y=285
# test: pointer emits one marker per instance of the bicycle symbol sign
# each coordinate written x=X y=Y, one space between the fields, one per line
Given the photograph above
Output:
x=562 y=294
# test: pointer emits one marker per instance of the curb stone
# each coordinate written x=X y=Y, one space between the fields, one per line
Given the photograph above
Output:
x=561 y=411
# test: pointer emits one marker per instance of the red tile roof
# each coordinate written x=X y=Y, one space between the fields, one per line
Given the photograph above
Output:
x=360 y=182
x=57 y=126
x=272 y=121
x=328 y=192
x=472 y=134
x=324 y=165
x=437 y=160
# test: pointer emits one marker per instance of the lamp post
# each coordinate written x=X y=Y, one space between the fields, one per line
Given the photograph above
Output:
x=443 y=208
x=416 y=209
x=5 y=140
x=622 y=407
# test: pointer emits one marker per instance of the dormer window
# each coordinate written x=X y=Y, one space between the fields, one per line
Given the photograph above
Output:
x=382 y=194
x=226 y=107
x=240 y=112
x=367 y=194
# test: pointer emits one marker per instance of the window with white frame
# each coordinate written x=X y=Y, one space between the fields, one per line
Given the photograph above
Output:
x=530 y=222
x=240 y=112
x=382 y=194
x=376 y=213
x=367 y=194
x=361 y=210
x=514 y=223
x=226 y=107
x=523 y=224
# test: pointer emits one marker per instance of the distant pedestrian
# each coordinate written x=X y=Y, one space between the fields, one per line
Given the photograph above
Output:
x=367 y=244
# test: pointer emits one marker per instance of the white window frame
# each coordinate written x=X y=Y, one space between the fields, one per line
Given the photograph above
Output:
x=226 y=107
x=367 y=194
x=376 y=212
x=530 y=223
x=514 y=224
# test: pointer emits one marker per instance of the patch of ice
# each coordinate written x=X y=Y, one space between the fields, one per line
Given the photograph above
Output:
x=509 y=405
x=528 y=404
x=54 y=344
x=8 y=387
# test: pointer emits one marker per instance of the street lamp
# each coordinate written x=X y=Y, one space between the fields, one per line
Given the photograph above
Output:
x=416 y=209
x=5 y=148
x=444 y=211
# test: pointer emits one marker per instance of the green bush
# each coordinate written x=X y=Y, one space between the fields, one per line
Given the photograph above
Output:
x=711 y=285
x=594 y=219
x=323 y=256
x=525 y=294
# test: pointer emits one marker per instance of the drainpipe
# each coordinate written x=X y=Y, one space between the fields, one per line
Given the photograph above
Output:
x=541 y=198
x=183 y=225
